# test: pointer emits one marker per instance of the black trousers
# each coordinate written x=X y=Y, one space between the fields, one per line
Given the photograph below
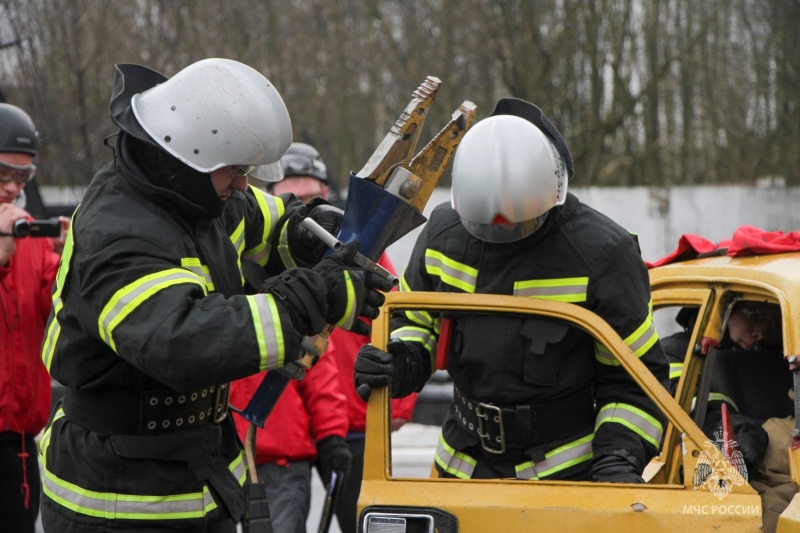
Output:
x=347 y=507
x=19 y=479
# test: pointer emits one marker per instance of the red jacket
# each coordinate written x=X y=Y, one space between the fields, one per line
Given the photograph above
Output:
x=309 y=410
x=343 y=347
x=25 y=301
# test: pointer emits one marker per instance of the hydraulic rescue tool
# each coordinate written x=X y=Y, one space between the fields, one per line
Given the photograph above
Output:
x=385 y=201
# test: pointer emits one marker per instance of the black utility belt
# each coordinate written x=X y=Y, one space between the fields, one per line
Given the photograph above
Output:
x=148 y=412
x=520 y=427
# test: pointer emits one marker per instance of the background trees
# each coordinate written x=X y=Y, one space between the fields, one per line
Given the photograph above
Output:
x=646 y=92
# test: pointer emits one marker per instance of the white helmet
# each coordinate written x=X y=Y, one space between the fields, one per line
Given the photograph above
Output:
x=215 y=113
x=507 y=175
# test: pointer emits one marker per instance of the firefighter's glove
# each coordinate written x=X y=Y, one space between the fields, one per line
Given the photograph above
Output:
x=405 y=366
x=616 y=467
x=351 y=291
x=333 y=455
x=307 y=249
x=373 y=368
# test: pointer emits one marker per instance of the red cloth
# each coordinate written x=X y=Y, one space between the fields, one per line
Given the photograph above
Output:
x=25 y=300
x=343 y=348
x=309 y=410
x=746 y=240
x=749 y=240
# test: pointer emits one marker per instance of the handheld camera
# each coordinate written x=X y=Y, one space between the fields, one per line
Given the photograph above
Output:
x=37 y=228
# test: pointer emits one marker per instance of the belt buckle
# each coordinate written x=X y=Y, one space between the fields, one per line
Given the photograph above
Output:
x=221 y=402
x=480 y=410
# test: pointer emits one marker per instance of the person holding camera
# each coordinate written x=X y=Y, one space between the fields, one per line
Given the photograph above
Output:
x=27 y=270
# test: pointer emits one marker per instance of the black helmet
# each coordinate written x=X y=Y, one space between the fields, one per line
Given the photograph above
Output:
x=304 y=160
x=17 y=132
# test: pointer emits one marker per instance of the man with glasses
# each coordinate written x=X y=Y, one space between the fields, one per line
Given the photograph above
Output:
x=151 y=323
x=27 y=270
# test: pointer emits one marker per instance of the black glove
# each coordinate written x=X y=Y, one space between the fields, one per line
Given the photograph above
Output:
x=616 y=467
x=407 y=365
x=373 y=368
x=306 y=248
x=333 y=455
x=330 y=293
x=351 y=291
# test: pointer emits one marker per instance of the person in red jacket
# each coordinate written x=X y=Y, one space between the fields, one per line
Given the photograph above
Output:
x=306 y=426
x=306 y=176
x=308 y=420
x=27 y=270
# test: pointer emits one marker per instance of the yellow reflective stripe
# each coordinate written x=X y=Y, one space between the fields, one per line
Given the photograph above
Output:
x=423 y=318
x=571 y=290
x=644 y=337
x=451 y=272
x=193 y=264
x=602 y=355
x=129 y=297
x=237 y=468
x=422 y=336
x=52 y=333
x=558 y=459
x=675 y=370
x=110 y=505
x=268 y=330
x=632 y=418
x=53 y=328
x=639 y=341
x=717 y=397
x=283 y=248
x=349 y=317
x=272 y=210
x=454 y=463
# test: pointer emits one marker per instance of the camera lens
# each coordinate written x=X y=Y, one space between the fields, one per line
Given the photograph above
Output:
x=22 y=228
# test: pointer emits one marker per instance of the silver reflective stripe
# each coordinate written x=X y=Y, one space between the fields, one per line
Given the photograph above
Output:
x=52 y=333
x=414 y=334
x=130 y=297
x=193 y=264
x=455 y=463
x=639 y=341
x=109 y=505
x=571 y=290
x=716 y=397
x=451 y=272
x=558 y=459
x=268 y=330
x=634 y=419
x=272 y=209
x=675 y=370
x=644 y=337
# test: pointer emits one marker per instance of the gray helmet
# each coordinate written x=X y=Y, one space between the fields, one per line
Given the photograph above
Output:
x=304 y=160
x=17 y=132
x=213 y=113
x=507 y=175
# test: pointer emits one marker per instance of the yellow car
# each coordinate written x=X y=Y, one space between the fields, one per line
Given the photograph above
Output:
x=691 y=485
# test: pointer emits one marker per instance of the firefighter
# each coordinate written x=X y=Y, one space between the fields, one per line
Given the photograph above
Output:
x=534 y=398
x=150 y=320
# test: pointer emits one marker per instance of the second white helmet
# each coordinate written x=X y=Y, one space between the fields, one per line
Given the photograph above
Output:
x=507 y=175
x=214 y=113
